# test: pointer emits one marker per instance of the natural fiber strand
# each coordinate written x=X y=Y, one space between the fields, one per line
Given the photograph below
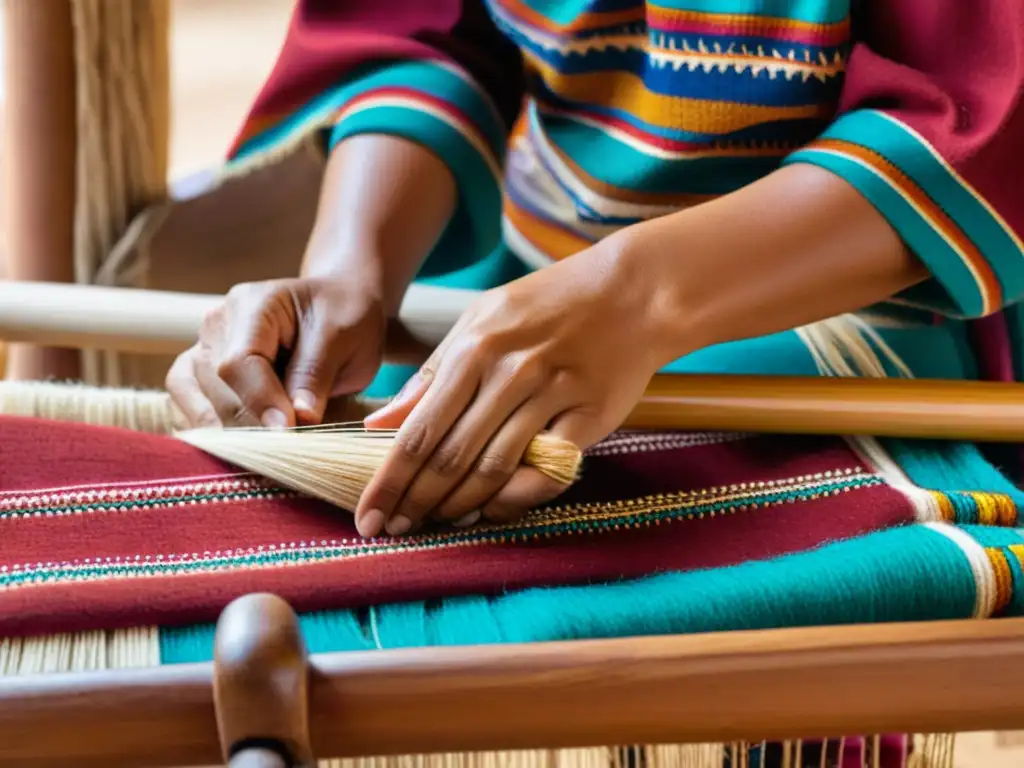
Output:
x=335 y=463
x=122 y=91
x=142 y=411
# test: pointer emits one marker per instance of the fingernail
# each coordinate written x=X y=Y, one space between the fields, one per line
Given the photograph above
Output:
x=467 y=520
x=274 y=419
x=398 y=525
x=304 y=401
x=369 y=525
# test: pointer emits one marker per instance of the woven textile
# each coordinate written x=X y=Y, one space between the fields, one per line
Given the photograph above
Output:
x=104 y=528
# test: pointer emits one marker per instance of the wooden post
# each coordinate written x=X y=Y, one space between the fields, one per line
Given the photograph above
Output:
x=39 y=162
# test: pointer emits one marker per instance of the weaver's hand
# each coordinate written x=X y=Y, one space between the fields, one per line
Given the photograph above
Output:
x=568 y=349
x=274 y=352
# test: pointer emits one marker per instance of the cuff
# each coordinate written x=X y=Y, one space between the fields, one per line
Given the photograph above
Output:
x=439 y=107
x=972 y=254
x=430 y=102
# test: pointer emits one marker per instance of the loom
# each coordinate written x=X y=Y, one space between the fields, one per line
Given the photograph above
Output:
x=93 y=188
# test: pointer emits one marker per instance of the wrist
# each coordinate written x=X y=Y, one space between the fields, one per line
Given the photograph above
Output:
x=664 y=304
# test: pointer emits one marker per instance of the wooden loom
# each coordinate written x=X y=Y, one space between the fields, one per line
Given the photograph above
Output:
x=779 y=684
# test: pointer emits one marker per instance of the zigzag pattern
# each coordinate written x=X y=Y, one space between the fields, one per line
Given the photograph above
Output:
x=664 y=53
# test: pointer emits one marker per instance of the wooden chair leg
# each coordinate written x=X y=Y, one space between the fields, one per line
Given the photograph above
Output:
x=261 y=685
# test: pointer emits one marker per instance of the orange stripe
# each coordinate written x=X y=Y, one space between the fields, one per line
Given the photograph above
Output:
x=751 y=24
x=545 y=236
x=992 y=292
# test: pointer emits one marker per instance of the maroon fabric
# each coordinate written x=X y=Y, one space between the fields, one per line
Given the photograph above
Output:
x=328 y=41
x=954 y=72
x=605 y=528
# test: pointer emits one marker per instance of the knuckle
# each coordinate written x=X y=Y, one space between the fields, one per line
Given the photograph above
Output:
x=495 y=468
x=448 y=461
x=412 y=442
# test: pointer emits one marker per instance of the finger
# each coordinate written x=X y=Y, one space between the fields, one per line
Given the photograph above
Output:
x=395 y=412
x=497 y=463
x=323 y=363
x=457 y=454
x=392 y=415
x=245 y=358
x=445 y=399
x=529 y=487
x=231 y=411
x=186 y=393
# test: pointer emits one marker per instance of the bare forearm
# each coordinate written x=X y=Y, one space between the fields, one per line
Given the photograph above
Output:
x=798 y=246
x=384 y=203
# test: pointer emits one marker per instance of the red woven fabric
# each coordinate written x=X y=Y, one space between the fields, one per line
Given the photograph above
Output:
x=104 y=528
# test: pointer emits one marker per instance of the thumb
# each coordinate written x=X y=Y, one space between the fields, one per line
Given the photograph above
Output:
x=309 y=378
x=392 y=415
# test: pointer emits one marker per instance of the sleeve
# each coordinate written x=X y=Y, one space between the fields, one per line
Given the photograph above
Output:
x=931 y=131
x=438 y=73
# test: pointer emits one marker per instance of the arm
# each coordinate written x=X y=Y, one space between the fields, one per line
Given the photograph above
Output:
x=411 y=101
x=437 y=75
x=911 y=195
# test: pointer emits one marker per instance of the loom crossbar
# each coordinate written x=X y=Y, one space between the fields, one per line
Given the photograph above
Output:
x=777 y=684
x=124 y=319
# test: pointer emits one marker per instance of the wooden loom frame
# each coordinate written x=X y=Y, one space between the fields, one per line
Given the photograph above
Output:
x=934 y=677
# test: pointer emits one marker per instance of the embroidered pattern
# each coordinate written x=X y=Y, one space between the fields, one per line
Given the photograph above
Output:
x=99 y=499
x=582 y=519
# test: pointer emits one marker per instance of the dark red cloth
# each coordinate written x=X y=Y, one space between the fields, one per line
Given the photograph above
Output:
x=52 y=530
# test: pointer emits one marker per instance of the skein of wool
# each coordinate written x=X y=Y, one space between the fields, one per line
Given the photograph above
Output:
x=336 y=462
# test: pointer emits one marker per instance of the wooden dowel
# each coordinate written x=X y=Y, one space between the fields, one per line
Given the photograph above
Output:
x=153 y=321
x=164 y=322
x=953 y=410
x=738 y=686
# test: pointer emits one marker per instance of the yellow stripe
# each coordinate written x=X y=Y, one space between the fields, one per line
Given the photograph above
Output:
x=626 y=92
x=1003 y=578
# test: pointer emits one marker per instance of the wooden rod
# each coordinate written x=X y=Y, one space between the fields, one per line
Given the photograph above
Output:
x=154 y=321
x=737 y=686
x=39 y=155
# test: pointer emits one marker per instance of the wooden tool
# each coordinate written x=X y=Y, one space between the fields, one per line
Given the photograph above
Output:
x=150 y=321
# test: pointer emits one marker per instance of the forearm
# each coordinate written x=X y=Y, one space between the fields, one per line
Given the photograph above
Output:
x=384 y=203
x=798 y=246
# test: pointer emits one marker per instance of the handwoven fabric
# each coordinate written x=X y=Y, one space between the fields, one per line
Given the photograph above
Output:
x=105 y=528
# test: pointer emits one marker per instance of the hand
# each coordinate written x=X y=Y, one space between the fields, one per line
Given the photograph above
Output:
x=568 y=349
x=325 y=335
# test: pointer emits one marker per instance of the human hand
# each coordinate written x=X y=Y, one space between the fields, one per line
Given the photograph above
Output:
x=274 y=352
x=569 y=349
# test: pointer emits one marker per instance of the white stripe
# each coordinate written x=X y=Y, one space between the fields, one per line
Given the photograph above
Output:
x=981 y=568
x=523 y=248
x=411 y=103
x=926 y=507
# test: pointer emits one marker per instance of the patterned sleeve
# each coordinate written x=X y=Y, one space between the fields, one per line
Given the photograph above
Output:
x=931 y=131
x=437 y=73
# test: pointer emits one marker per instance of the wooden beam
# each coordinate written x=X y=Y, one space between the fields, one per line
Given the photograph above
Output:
x=39 y=158
x=736 y=686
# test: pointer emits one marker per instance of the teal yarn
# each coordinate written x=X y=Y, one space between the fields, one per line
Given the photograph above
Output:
x=905 y=574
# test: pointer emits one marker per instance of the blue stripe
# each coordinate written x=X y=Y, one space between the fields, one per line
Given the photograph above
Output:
x=944 y=263
x=812 y=11
x=609 y=160
x=730 y=86
x=871 y=129
x=793 y=132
